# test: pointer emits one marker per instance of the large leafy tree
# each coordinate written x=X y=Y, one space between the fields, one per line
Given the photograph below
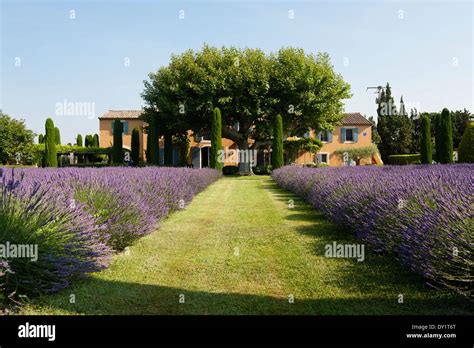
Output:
x=15 y=139
x=250 y=88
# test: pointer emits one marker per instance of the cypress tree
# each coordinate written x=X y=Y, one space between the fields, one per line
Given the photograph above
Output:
x=51 y=159
x=136 y=146
x=426 y=140
x=153 y=155
x=216 y=139
x=117 y=148
x=438 y=135
x=96 y=140
x=168 y=160
x=277 y=152
x=79 y=140
x=466 y=146
x=57 y=136
x=40 y=139
x=446 y=138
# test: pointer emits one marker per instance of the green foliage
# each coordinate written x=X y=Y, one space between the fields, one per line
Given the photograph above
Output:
x=230 y=170
x=292 y=146
x=51 y=158
x=394 y=127
x=263 y=170
x=95 y=142
x=250 y=88
x=182 y=142
x=404 y=159
x=358 y=153
x=168 y=142
x=445 y=137
x=79 y=140
x=57 y=136
x=425 y=142
x=15 y=139
x=153 y=154
x=117 y=148
x=89 y=141
x=466 y=146
x=40 y=139
x=216 y=139
x=277 y=148
x=135 y=146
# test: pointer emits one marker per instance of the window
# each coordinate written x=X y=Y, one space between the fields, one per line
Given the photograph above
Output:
x=325 y=136
x=349 y=134
x=322 y=157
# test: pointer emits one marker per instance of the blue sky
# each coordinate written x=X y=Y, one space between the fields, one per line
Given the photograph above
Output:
x=423 y=48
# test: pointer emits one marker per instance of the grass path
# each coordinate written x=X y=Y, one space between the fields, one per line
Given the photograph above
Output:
x=239 y=249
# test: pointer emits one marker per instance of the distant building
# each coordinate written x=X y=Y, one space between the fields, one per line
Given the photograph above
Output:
x=354 y=131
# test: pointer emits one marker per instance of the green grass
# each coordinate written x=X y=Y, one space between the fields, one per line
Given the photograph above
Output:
x=281 y=254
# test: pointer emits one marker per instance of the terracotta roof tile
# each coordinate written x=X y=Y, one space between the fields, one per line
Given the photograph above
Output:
x=122 y=114
x=355 y=118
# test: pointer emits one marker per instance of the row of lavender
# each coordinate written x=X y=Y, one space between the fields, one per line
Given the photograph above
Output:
x=420 y=214
x=77 y=218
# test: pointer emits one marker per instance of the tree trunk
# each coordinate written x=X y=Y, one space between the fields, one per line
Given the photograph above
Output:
x=244 y=158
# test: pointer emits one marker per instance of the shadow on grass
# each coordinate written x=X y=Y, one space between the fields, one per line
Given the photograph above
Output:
x=101 y=297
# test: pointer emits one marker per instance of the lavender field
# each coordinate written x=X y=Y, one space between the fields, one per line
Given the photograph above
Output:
x=421 y=215
x=78 y=218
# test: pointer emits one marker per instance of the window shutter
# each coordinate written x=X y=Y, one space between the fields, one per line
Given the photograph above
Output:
x=319 y=135
x=162 y=156
x=318 y=158
x=329 y=137
x=356 y=134
x=343 y=134
x=125 y=127
x=113 y=123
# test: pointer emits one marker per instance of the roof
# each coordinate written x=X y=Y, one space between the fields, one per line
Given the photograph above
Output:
x=355 y=118
x=352 y=118
x=122 y=114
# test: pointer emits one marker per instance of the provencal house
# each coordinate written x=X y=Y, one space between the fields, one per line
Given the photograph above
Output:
x=354 y=131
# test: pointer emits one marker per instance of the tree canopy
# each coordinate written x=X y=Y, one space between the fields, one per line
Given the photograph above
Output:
x=250 y=88
x=16 y=141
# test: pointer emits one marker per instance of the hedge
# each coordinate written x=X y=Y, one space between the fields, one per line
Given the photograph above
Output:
x=404 y=159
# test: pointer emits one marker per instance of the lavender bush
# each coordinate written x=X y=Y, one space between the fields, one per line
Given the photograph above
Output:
x=420 y=214
x=78 y=217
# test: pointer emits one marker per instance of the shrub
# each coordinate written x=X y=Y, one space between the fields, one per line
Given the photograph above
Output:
x=57 y=136
x=404 y=159
x=421 y=215
x=426 y=156
x=51 y=157
x=34 y=212
x=277 y=148
x=79 y=216
x=79 y=140
x=262 y=170
x=230 y=170
x=444 y=153
x=136 y=146
x=117 y=148
x=216 y=140
x=466 y=146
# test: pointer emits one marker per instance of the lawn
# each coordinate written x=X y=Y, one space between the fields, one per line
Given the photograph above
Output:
x=239 y=248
